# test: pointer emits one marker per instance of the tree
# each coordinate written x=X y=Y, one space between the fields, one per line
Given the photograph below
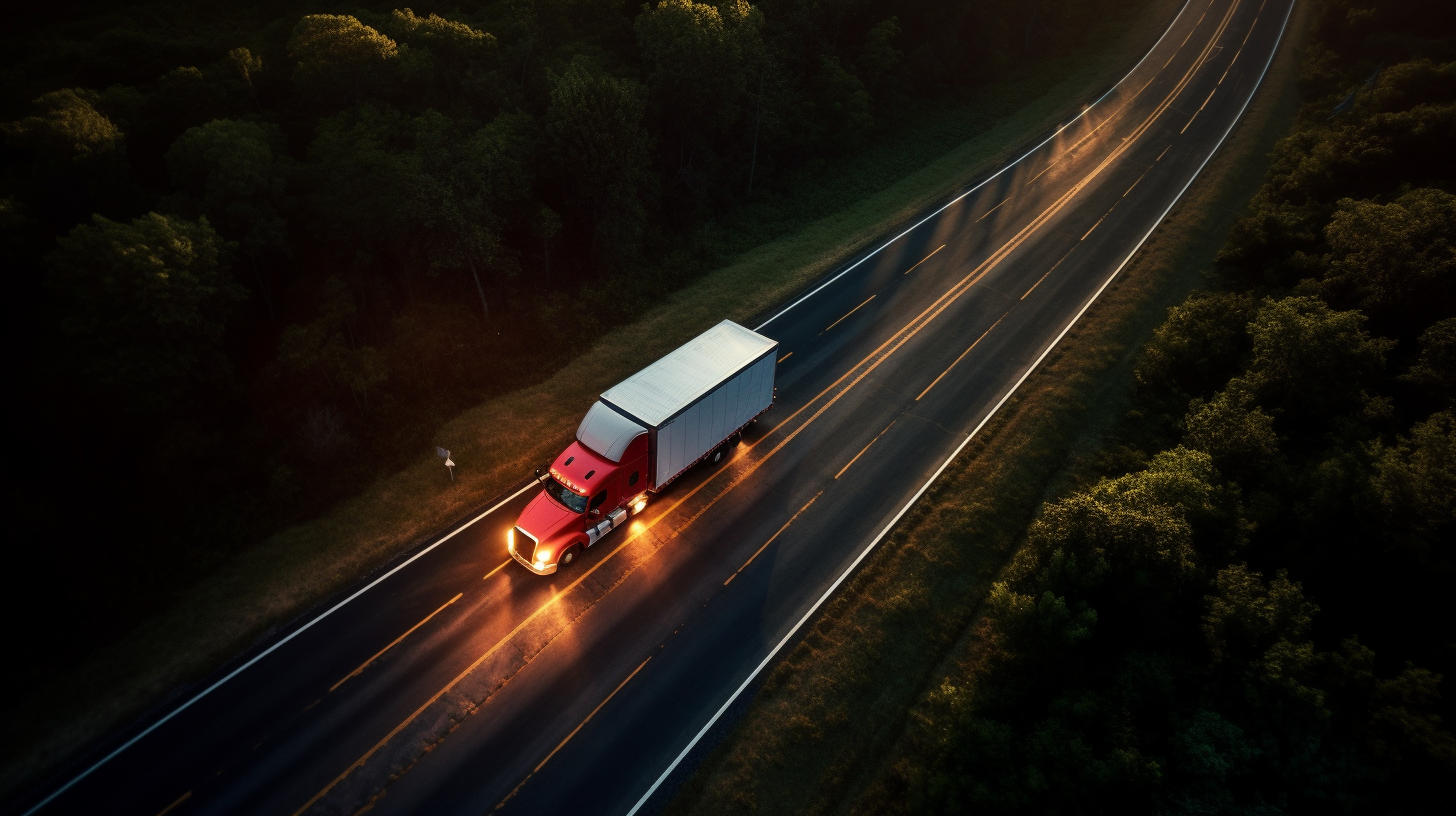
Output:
x=358 y=164
x=1435 y=370
x=1245 y=618
x=878 y=59
x=327 y=349
x=457 y=45
x=78 y=158
x=1258 y=635
x=601 y=149
x=839 y=106
x=1415 y=479
x=460 y=187
x=1310 y=360
x=1200 y=345
x=247 y=65
x=338 y=57
x=143 y=306
x=232 y=171
x=1396 y=262
x=698 y=59
x=68 y=126
x=1133 y=536
x=1235 y=432
x=451 y=58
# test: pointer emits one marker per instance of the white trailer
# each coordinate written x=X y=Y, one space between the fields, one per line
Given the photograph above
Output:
x=689 y=403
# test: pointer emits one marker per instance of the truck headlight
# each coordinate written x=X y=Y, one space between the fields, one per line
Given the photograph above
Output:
x=511 y=539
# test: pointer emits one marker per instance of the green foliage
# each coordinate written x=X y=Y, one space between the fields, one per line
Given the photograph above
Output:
x=1415 y=479
x=337 y=57
x=838 y=106
x=1199 y=346
x=144 y=305
x=1290 y=399
x=1138 y=523
x=878 y=60
x=698 y=59
x=1235 y=431
x=595 y=130
x=1260 y=626
x=233 y=171
x=324 y=360
x=68 y=126
x=1310 y=360
x=1395 y=262
x=1435 y=370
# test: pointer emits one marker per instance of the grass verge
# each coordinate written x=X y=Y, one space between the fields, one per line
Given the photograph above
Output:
x=265 y=587
x=835 y=717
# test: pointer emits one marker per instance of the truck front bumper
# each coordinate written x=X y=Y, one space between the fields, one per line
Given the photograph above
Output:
x=546 y=570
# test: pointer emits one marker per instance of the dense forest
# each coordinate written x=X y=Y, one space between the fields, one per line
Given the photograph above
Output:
x=1251 y=613
x=260 y=251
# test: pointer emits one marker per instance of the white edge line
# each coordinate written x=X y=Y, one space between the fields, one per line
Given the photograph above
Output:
x=295 y=633
x=988 y=179
x=885 y=531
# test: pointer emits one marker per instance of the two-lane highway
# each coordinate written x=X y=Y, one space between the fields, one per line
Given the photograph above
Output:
x=452 y=686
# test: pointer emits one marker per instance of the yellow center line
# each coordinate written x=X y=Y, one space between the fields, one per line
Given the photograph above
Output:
x=1099 y=222
x=998 y=206
x=862 y=450
x=783 y=358
x=1189 y=37
x=365 y=664
x=923 y=260
x=1200 y=109
x=562 y=744
x=1166 y=102
x=169 y=808
x=962 y=357
x=851 y=311
x=1048 y=272
x=772 y=537
x=1139 y=181
x=898 y=339
x=497 y=569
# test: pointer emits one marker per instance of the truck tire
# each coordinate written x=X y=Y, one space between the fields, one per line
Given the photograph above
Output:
x=735 y=440
x=718 y=455
x=569 y=557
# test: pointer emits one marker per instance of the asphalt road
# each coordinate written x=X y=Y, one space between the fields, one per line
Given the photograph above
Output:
x=461 y=683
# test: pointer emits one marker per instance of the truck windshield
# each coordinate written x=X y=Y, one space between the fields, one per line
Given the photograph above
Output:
x=563 y=496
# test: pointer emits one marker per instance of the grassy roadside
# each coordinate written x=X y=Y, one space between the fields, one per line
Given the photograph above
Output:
x=837 y=715
x=496 y=442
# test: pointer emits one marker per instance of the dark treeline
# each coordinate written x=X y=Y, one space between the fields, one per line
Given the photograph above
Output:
x=258 y=252
x=1255 y=617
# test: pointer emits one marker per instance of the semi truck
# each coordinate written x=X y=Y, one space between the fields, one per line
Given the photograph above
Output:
x=641 y=435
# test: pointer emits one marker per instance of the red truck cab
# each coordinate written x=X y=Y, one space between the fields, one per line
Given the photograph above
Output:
x=688 y=407
x=586 y=496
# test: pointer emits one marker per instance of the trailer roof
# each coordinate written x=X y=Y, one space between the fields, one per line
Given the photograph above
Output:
x=660 y=391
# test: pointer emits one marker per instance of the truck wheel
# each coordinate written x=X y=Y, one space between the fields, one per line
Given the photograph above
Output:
x=735 y=440
x=567 y=557
x=719 y=454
